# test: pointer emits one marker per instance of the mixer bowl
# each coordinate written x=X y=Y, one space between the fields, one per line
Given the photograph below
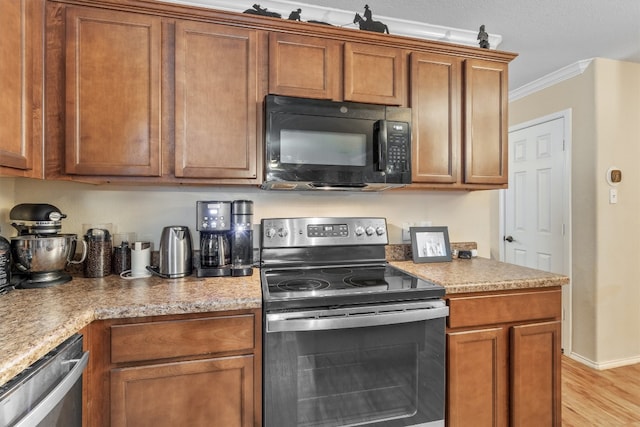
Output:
x=41 y=254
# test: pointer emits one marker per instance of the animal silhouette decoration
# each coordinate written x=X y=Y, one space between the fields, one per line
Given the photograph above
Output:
x=257 y=10
x=369 y=24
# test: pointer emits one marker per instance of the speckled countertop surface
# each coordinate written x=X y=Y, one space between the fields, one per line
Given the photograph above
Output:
x=481 y=275
x=34 y=321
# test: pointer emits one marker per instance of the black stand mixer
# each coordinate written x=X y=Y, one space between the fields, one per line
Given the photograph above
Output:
x=40 y=252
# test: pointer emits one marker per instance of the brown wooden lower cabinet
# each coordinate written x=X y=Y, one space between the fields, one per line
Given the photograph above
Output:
x=186 y=370
x=503 y=359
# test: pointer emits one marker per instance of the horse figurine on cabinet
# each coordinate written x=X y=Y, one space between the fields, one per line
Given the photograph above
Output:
x=370 y=25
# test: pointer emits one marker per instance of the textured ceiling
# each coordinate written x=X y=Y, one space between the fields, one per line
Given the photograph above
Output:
x=547 y=35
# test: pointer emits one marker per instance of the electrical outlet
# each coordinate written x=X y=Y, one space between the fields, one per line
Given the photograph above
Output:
x=406 y=235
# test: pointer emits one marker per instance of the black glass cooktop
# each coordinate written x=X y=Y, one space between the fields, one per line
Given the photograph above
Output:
x=344 y=285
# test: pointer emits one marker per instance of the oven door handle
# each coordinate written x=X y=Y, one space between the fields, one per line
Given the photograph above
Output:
x=278 y=323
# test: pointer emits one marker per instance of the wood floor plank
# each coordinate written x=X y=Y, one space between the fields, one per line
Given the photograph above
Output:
x=607 y=398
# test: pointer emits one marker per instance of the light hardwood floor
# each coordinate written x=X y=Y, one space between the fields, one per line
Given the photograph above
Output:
x=608 y=398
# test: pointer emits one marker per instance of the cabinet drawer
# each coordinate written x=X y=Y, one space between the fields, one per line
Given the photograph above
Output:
x=504 y=308
x=178 y=338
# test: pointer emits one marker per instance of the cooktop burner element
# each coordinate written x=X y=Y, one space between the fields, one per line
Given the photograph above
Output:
x=305 y=263
x=302 y=285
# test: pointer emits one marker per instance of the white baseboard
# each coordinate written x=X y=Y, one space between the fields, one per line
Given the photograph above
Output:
x=601 y=366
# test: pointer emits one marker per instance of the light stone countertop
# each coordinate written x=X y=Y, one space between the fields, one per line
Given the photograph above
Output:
x=34 y=321
x=481 y=275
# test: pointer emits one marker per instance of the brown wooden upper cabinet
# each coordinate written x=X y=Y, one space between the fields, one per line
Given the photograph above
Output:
x=459 y=121
x=485 y=122
x=436 y=128
x=113 y=77
x=374 y=74
x=313 y=67
x=21 y=29
x=217 y=100
x=306 y=67
x=136 y=94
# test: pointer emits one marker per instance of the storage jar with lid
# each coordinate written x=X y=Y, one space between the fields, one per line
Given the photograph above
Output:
x=98 y=261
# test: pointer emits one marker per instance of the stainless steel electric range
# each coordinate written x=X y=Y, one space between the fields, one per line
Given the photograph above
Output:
x=348 y=339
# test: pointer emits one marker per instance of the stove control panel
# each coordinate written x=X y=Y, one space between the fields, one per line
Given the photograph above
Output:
x=319 y=231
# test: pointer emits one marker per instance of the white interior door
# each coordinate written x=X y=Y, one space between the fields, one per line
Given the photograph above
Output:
x=536 y=205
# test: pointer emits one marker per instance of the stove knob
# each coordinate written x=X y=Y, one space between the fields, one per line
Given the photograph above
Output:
x=283 y=232
x=370 y=230
x=359 y=230
x=270 y=232
x=380 y=231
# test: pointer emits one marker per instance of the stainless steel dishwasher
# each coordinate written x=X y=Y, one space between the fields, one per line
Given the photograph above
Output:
x=49 y=392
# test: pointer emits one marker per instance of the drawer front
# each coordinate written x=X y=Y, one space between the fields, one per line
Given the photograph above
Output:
x=179 y=338
x=495 y=309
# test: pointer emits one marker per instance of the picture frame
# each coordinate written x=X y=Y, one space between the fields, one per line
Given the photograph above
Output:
x=430 y=244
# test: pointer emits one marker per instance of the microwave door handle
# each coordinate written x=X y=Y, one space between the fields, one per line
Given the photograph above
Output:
x=381 y=142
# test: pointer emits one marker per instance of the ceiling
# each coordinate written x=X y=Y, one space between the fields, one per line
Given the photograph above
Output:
x=547 y=35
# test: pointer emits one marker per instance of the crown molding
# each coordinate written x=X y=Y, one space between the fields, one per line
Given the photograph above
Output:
x=344 y=18
x=550 y=79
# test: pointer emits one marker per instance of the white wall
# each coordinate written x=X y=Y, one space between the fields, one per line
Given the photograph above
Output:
x=145 y=210
x=605 y=103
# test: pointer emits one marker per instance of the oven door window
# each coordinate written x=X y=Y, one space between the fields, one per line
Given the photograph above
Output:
x=391 y=374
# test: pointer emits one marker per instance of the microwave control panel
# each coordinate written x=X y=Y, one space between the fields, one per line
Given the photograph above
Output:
x=394 y=147
x=398 y=148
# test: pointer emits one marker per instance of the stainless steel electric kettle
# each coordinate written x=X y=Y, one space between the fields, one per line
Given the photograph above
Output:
x=175 y=253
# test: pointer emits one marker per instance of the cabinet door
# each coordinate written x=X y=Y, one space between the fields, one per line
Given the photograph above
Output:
x=207 y=393
x=435 y=106
x=374 y=74
x=485 y=117
x=306 y=67
x=535 y=375
x=113 y=93
x=477 y=376
x=217 y=101
x=21 y=29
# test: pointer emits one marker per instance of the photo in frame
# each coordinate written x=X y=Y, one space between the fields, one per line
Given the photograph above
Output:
x=430 y=244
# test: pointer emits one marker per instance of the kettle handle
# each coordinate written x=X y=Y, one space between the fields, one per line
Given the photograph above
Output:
x=73 y=251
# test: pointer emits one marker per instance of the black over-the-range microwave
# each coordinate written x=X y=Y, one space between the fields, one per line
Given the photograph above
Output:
x=315 y=144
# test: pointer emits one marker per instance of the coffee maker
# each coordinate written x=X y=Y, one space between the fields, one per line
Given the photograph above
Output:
x=226 y=238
